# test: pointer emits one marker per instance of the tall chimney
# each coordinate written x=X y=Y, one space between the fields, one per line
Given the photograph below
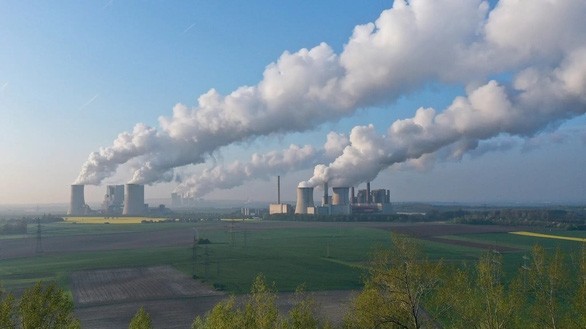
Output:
x=326 y=198
x=368 y=198
x=278 y=189
x=353 y=200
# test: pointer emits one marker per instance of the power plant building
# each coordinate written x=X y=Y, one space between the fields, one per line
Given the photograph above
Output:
x=343 y=203
x=134 y=200
x=114 y=199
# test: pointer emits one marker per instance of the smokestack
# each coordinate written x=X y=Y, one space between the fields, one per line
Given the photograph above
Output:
x=353 y=199
x=133 y=199
x=304 y=199
x=77 y=202
x=340 y=196
x=278 y=189
x=368 y=198
x=326 y=198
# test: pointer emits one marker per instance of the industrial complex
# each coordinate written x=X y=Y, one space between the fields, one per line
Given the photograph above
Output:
x=129 y=200
x=119 y=200
x=343 y=201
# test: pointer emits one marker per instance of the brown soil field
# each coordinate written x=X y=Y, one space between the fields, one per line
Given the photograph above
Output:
x=109 y=298
x=431 y=231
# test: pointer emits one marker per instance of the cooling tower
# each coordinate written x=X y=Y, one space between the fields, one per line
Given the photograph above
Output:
x=340 y=196
x=133 y=199
x=77 y=203
x=304 y=199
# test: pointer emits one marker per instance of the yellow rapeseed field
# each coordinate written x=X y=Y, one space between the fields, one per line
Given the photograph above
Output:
x=110 y=220
x=549 y=236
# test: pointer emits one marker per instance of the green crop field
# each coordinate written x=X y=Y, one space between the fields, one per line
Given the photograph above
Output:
x=323 y=256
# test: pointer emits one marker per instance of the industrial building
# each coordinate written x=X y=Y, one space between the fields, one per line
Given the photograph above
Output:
x=119 y=199
x=342 y=202
x=279 y=208
x=113 y=200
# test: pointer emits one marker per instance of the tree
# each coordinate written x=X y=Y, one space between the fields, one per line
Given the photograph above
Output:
x=399 y=280
x=302 y=315
x=260 y=310
x=479 y=298
x=6 y=310
x=549 y=289
x=580 y=297
x=141 y=320
x=46 y=307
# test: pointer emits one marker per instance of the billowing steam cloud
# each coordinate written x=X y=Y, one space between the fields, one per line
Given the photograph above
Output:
x=536 y=100
x=410 y=45
x=262 y=166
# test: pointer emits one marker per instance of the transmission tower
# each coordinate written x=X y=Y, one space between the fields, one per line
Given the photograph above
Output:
x=39 y=246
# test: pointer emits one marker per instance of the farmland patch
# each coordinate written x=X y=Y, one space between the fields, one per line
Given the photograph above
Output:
x=109 y=286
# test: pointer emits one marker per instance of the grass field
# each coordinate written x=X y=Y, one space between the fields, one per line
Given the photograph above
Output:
x=110 y=220
x=323 y=256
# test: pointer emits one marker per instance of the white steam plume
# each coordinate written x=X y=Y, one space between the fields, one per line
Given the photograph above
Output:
x=408 y=46
x=535 y=101
x=262 y=166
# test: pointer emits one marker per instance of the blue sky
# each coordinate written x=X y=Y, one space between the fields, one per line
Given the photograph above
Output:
x=73 y=75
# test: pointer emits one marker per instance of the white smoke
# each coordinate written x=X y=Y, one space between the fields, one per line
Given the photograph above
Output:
x=536 y=100
x=262 y=166
x=407 y=47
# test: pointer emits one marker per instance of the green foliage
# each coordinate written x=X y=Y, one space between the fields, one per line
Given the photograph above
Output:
x=548 y=286
x=141 y=320
x=479 y=298
x=261 y=309
x=302 y=315
x=398 y=282
x=224 y=315
x=579 y=301
x=46 y=306
x=6 y=310
x=260 y=312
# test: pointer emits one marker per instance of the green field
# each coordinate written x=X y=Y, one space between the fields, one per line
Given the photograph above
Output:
x=324 y=257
